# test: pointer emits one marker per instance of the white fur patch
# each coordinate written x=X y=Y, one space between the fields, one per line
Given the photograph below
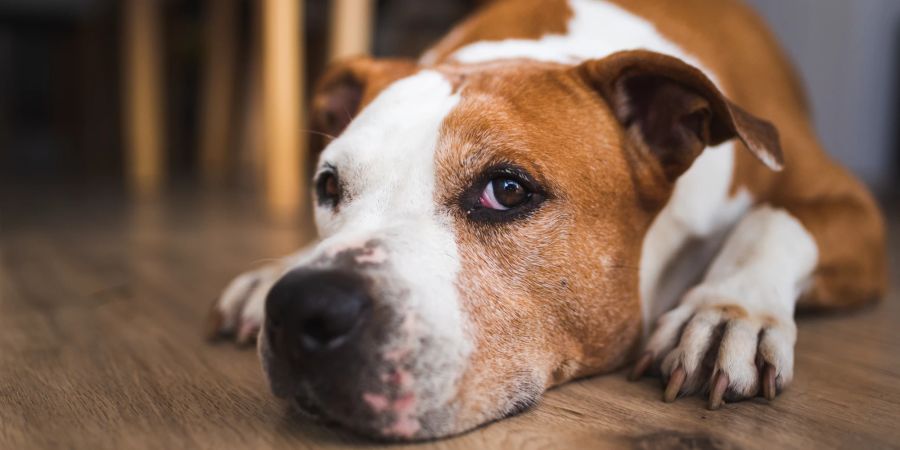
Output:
x=596 y=29
x=385 y=163
x=769 y=256
x=700 y=206
x=763 y=267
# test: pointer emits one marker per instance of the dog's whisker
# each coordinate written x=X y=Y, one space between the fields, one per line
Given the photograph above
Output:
x=319 y=133
x=265 y=261
x=621 y=266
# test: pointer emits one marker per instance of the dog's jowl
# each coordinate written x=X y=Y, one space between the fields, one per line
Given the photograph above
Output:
x=554 y=190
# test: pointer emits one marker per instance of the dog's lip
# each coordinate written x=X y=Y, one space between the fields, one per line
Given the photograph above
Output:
x=380 y=426
x=310 y=410
x=307 y=407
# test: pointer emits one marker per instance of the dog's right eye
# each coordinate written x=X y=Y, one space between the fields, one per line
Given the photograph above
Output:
x=328 y=190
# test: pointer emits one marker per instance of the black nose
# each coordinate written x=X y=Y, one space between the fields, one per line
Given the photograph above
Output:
x=315 y=310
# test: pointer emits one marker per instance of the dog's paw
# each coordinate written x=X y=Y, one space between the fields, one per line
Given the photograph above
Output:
x=238 y=312
x=730 y=349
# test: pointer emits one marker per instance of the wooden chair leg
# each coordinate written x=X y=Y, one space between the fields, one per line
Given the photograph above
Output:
x=351 y=28
x=217 y=107
x=283 y=110
x=143 y=96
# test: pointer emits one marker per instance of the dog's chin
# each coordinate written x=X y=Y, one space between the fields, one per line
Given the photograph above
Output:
x=349 y=405
x=383 y=428
x=388 y=395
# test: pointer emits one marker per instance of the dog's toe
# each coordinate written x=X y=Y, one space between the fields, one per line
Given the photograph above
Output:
x=238 y=312
x=699 y=337
x=251 y=316
x=735 y=361
x=718 y=347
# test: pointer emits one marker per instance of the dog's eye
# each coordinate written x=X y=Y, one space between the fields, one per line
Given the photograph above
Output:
x=502 y=194
x=328 y=190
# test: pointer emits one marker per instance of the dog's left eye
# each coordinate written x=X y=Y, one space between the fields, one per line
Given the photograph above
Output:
x=502 y=194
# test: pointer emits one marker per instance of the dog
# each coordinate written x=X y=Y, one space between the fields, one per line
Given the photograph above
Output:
x=556 y=189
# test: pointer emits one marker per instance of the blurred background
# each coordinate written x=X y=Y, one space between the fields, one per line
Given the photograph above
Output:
x=147 y=96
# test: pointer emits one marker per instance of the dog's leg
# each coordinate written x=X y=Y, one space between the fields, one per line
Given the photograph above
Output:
x=733 y=335
x=737 y=328
x=850 y=233
x=240 y=310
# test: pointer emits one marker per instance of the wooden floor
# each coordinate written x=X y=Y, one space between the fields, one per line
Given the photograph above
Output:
x=101 y=347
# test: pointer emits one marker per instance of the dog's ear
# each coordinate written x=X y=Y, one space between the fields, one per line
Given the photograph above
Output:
x=348 y=85
x=671 y=111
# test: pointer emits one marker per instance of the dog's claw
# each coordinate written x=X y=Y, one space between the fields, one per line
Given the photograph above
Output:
x=768 y=382
x=676 y=380
x=247 y=333
x=719 y=385
x=641 y=366
x=239 y=312
x=214 y=320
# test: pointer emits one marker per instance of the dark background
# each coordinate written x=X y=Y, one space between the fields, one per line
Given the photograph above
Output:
x=60 y=75
x=61 y=62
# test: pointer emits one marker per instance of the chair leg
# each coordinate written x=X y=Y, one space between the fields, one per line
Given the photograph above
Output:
x=351 y=28
x=219 y=77
x=143 y=96
x=283 y=111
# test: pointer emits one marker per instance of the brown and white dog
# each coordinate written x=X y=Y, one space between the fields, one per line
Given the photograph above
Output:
x=515 y=208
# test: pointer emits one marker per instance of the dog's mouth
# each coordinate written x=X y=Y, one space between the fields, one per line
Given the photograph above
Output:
x=308 y=409
x=377 y=423
x=389 y=413
x=394 y=417
x=371 y=390
x=376 y=353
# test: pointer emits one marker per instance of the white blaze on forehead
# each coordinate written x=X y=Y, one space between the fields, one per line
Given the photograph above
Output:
x=385 y=161
x=385 y=157
x=596 y=29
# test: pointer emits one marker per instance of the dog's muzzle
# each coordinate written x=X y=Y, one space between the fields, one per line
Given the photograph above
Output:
x=370 y=337
x=323 y=346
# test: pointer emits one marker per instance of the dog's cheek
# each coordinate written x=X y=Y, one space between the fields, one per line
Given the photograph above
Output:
x=511 y=360
x=504 y=374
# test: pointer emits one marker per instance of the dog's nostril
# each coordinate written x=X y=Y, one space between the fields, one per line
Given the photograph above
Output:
x=315 y=311
x=326 y=331
x=274 y=324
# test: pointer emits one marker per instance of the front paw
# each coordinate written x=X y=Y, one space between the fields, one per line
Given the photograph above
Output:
x=238 y=312
x=717 y=345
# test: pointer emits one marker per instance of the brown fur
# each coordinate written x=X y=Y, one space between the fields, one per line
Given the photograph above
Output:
x=734 y=43
x=574 y=286
x=503 y=20
x=580 y=318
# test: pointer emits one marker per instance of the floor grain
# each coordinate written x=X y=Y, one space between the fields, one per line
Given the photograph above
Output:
x=101 y=311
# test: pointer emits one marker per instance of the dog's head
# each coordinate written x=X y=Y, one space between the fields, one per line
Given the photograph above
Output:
x=481 y=229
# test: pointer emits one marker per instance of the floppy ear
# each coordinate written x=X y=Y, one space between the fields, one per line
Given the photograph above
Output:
x=348 y=85
x=672 y=111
